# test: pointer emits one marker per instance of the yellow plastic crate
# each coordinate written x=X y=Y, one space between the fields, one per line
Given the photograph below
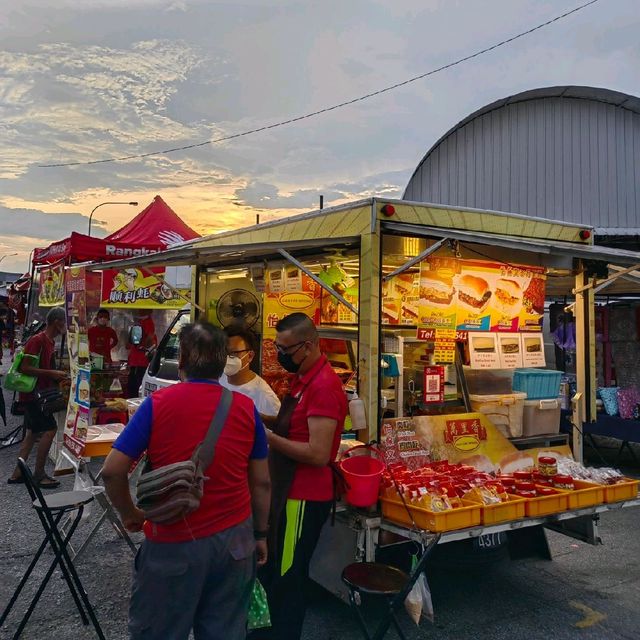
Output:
x=627 y=490
x=468 y=516
x=586 y=494
x=513 y=509
x=546 y=505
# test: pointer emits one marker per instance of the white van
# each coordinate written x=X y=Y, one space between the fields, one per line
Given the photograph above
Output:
x=163 y=368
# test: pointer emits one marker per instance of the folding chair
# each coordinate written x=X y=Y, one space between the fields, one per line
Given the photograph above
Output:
x=377 y=579
x=50 y=511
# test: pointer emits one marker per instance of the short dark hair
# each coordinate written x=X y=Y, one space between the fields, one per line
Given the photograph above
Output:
x=102 y=311
x=300 y=324
x=248 y=337
x=203 y=350
x=55 y=314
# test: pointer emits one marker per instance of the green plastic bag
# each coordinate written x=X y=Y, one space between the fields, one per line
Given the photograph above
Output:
x=16 y=381
x=258 y=616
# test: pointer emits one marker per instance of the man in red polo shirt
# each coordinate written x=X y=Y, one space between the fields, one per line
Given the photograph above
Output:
x=311 y=443
x=196 y=573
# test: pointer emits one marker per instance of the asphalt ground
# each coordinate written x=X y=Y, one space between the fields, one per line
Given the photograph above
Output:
x=585 y=593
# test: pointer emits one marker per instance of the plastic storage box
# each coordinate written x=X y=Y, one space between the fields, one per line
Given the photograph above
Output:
x=504 y=411
x=482 y=381
x=537 y=383
x=541 y=417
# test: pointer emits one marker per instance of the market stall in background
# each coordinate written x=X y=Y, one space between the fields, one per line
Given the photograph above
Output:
x=101 y=357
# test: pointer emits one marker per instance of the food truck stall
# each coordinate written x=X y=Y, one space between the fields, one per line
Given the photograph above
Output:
x=418 y=306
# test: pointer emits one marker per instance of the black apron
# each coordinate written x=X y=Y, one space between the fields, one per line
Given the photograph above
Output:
x=282 y=468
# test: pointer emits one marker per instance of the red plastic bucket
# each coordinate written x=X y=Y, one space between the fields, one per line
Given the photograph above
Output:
x=362 y=475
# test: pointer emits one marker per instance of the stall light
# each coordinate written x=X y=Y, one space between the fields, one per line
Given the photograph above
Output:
x=231 y=275
x=388 y=210
x=585 y=234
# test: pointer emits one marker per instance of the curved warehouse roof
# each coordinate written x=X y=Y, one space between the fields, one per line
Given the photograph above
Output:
x=567 y=153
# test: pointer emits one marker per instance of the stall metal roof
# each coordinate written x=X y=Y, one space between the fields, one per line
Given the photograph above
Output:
x=346 y=224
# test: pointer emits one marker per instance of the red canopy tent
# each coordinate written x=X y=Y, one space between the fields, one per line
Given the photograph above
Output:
x=157 y=224
x=155 y=228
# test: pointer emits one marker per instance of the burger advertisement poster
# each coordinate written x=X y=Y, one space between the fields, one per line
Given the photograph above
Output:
x=475 y=295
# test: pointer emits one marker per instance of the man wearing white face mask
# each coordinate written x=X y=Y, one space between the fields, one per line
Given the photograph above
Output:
x=238 y=376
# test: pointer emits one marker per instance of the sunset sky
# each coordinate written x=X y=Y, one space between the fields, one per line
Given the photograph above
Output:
x=84 y=80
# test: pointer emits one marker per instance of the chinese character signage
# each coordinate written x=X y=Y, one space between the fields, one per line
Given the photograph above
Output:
x=153 y=288
x=468 y=438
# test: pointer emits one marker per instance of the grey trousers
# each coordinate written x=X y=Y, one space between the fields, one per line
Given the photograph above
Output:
x=204 y=585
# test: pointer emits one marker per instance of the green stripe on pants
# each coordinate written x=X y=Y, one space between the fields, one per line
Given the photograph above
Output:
x=293 y=529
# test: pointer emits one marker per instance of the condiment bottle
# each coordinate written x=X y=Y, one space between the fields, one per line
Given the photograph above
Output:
x=561 y=481
x=547 y=465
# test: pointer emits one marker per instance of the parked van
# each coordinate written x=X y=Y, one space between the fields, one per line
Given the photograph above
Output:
x=163 y=368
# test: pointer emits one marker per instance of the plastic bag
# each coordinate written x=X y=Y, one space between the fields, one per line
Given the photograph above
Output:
x=258 y=615
x=418 y=603
x=83 y=482
x=609 y=396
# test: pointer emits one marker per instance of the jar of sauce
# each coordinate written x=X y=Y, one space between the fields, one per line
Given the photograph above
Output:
x=547 y=465
x=561 y=481
x=525 y=489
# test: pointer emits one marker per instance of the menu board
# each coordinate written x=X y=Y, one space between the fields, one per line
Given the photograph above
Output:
x=476 y=295
x=506 y=351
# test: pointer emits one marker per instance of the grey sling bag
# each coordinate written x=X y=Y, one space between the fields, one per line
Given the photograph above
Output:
x=170 y=493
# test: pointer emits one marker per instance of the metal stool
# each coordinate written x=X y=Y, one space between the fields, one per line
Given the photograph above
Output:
x=50 y=511
x=377 y=579
x=373 y=578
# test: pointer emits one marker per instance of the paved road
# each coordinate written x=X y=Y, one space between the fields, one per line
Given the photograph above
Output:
x=584 y=593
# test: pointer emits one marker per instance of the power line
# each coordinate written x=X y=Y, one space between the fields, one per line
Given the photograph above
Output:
x=340 y=105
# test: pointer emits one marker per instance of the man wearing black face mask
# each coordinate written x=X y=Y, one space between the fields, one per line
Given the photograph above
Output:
x=303 y=446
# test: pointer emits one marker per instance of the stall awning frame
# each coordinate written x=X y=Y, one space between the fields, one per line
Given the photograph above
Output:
x=226 y=255
x=549 y=247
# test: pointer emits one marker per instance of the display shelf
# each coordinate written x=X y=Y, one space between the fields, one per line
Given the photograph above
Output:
x=542 y=440
x=475 y=532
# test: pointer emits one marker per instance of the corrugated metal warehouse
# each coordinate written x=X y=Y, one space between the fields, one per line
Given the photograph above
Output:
x=566 y=153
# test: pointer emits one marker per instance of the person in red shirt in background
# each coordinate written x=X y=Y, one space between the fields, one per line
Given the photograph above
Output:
x=303 y=447
x=102 y=338
x=138 y=359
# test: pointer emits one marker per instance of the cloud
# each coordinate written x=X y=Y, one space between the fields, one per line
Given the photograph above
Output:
x=87 y=79
x=262 y=195
x=31 y=223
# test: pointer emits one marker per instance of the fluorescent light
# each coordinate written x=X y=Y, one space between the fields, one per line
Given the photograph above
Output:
x=231 y=275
